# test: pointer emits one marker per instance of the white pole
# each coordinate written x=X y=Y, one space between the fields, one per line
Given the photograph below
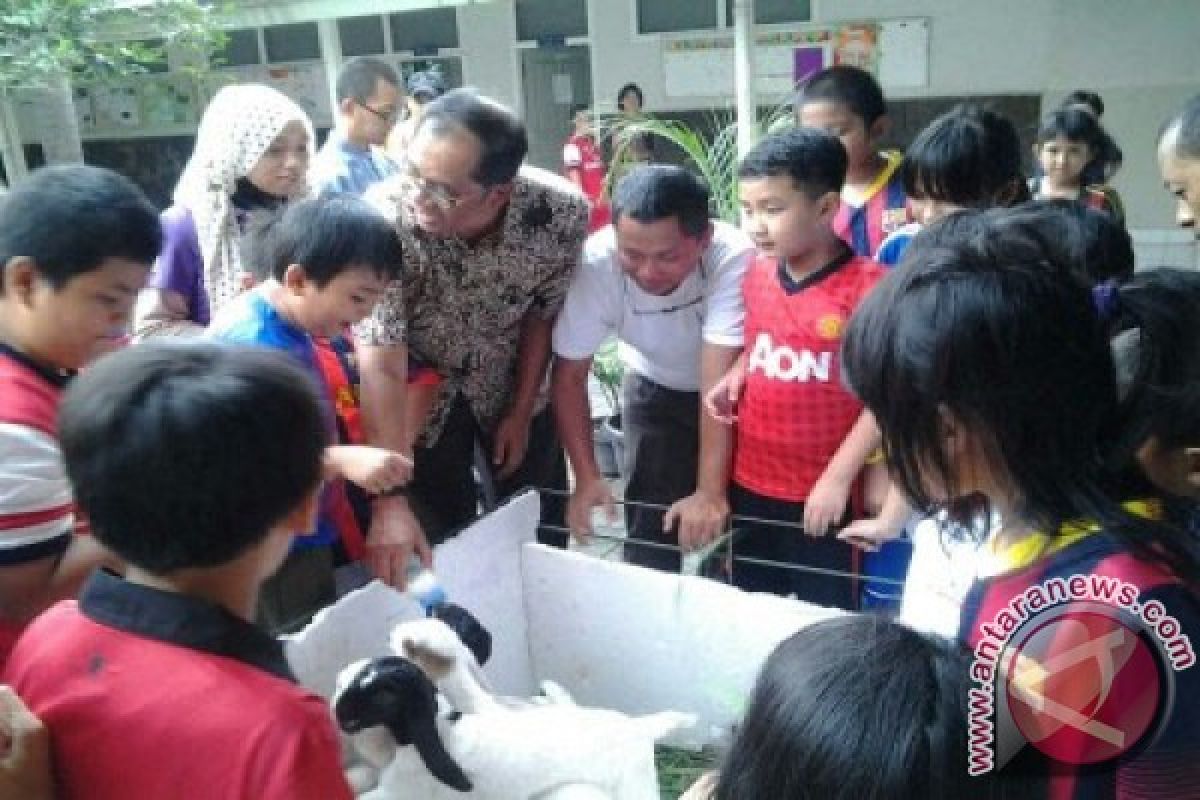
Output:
x=331 y=56
x=10 y=140
x=743 y=74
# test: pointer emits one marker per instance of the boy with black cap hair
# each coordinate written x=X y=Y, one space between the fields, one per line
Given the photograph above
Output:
x=156 y=684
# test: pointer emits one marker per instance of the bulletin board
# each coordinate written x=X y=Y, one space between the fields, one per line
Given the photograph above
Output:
x=897 y=51
x=302 y=81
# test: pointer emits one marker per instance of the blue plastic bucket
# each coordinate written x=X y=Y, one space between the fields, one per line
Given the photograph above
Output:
x=890 y=562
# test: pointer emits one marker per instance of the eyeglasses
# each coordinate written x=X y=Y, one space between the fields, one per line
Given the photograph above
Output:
x=413 y=184
x=387 y=116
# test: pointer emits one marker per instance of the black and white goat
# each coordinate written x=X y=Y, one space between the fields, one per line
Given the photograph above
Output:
x=550 y=751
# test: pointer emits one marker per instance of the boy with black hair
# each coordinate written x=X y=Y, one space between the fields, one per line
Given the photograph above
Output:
x=197 y=464
x=848 y=102
x=76 y=245
x=329 y=260
x=801 y=437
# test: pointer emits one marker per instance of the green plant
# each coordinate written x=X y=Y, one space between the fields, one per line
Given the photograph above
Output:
x=609 y=370
x=42 y=40
x=711 y=150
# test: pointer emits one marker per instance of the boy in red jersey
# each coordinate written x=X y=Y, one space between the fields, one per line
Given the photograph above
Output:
x=76 y=245
x=801 y=437
x=583 y=165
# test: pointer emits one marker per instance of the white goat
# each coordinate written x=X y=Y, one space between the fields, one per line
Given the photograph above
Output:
x=486 y=748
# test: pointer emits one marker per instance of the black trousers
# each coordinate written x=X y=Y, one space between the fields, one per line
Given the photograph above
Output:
x=789 y=545
x=662 y=450
x=444 y=493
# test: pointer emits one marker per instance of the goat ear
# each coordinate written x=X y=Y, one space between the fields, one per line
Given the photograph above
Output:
x=423 y=732
x=469 y=629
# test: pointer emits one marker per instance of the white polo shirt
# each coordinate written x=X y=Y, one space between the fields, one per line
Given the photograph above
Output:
x=660 y=336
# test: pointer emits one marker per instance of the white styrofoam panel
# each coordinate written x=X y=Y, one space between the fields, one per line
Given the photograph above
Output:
x=480 y=569
x=613 y=635
x=636 y=640
x=357 y=626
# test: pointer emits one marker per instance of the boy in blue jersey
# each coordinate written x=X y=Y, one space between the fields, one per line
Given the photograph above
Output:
x=328 y=261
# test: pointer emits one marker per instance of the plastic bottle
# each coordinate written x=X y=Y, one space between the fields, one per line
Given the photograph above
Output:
x=424 y=587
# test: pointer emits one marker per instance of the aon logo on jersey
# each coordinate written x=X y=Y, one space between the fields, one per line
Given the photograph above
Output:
x=785 y=364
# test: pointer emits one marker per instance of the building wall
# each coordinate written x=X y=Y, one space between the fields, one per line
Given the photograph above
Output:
x=1143 y=57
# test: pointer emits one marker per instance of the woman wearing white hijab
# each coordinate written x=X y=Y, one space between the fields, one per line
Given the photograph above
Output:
x=251 y=155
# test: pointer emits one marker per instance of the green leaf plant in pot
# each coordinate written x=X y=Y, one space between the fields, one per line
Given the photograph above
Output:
x=608 y=369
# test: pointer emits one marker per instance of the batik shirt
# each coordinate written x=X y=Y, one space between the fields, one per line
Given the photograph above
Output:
x=459 y=305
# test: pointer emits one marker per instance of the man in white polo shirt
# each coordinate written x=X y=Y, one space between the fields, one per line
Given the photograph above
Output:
x=666 y=280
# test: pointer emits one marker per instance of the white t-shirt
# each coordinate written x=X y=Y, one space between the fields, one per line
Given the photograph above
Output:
x=660 y=336
x=940 y=574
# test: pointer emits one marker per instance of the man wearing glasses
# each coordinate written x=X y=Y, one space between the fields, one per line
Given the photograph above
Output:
x=369 y=100
x=489 y=250
x=667 y=282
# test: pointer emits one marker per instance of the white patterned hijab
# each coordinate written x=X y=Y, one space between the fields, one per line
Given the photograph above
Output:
x=238 y=126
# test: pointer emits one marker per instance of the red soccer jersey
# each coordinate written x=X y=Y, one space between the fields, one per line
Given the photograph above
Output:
x=580 y=154
x=794 y=411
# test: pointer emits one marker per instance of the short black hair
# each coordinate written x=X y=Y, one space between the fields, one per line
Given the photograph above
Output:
x=325 y=235
x=501 y=134
x=652 y=192
x=1085 y=98
x=626 y=89
x=183 y=454
x=853 y=707
x=970 y=157
x=71 y=219
x=814 y=159
x=972 y=325
x=854 y=88
x=1075 y=125
x=359 y=76
x=1092 y=241
x=1160 y=364
x=1184 y=127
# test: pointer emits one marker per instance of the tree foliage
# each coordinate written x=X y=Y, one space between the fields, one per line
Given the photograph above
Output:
x=89 y=40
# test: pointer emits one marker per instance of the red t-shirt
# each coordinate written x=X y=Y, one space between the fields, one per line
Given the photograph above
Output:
x=36 y=507
x=212 y=715
x=794 y=411
x=582 y=155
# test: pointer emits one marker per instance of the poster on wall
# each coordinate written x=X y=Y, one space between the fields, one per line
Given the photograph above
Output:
x=213 y=81
x=307 y=85
x=857 y=46
x=896 y=50
x=808 y=60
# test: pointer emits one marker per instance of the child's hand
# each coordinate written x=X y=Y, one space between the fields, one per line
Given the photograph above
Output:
x=722 y=399
x=700 y=517
x=25 y=772
x=825 y=506
x=373 y=468
x=869 y=534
